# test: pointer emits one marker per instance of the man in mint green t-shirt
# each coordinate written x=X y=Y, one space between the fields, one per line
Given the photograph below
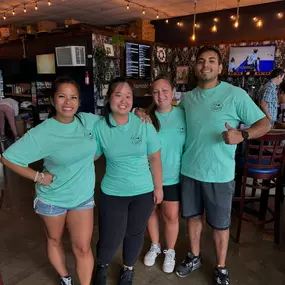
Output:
x=213 y=112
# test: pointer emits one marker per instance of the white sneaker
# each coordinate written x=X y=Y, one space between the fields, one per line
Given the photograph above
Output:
x=169 y=261
x=152 y=254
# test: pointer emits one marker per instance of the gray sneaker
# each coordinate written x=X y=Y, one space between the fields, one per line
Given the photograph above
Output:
x=189 y=264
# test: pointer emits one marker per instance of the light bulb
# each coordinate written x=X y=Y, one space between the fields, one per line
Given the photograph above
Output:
x=214 y=29
x=197 y=25
x=233 y=17
x=13 y=13
x=216 y=20
x=128 y=6
x=25 y=10
x=166 y=21
x=49 y=3
x=36 y=6
x=143 y=12
x=4 y=16
x=193 y=37
x=280 y=15
x=259 y=24
x=236 y=24
x=157 y=16
x=255 y=19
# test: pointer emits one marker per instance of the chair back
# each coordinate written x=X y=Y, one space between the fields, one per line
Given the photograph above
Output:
x=265 y=153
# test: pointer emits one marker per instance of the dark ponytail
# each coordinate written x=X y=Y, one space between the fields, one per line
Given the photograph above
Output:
x=112 y=86
x=152 y=108
x=56 y=84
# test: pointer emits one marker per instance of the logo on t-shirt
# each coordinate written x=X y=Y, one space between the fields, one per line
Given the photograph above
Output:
x=89 y=135
x=136 y=139
x=181 y=129
x=217 y=106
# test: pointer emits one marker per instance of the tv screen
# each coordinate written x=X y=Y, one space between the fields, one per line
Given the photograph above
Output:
x=138 y=61
x=46 y=63
x=252 y=59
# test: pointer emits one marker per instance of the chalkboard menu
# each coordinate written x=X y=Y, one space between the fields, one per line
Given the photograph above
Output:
x=138 y=59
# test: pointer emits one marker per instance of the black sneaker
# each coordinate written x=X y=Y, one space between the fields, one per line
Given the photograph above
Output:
x=222 y=276
x=66 y=280
x=100 y=275
x=189 y=264
x=126 y=276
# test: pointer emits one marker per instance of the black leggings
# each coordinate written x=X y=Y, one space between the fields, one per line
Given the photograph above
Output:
x=122 y=219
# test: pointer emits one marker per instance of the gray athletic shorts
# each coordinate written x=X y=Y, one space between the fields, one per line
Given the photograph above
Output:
x=215 y=198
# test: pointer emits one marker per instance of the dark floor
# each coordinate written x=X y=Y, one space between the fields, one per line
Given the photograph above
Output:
x=23 y=261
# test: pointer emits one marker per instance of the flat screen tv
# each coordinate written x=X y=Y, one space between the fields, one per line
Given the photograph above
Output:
x=138 y=61
x=252 y=59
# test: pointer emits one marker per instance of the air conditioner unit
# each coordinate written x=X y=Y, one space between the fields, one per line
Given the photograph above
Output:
x=70 y=56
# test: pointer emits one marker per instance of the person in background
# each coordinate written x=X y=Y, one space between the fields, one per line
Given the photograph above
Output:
x=281 y=99
x=9 y=108
x=169 y=121
x=65 y=187
x=267 y=95
x=251 y=61
x=208 y=162
x=132 y=183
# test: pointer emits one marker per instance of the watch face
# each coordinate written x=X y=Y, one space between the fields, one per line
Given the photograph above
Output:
x=245 y=135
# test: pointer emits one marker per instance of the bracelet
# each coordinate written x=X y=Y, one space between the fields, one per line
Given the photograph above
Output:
x=36 y=177
x=42 y=178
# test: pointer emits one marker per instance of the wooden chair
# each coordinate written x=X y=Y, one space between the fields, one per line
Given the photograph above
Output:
x=263 y=161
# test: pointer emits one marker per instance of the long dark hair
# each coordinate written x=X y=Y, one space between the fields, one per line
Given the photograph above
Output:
x=152 y=108
x=55 y=86
x=112 y=86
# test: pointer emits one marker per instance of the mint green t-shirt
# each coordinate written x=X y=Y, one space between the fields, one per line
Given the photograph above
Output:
x=207 y=158
x=172 y=137
x=68 y=151
x=126 y=148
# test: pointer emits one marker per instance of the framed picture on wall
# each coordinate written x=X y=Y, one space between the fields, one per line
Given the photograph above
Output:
x=109 y=49
x=182 y=74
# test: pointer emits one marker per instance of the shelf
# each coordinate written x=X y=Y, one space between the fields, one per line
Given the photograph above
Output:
x=18 y=95
x=114 y=57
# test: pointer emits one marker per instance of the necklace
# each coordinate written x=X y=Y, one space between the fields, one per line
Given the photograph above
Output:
x=164 y=118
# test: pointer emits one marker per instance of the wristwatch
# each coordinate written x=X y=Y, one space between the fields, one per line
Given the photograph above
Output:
x=244 y=134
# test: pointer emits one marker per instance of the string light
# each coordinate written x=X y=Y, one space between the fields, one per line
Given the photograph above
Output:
x=13 y=13
x=36 y=6
x=236 y=24
x=143 y=12
x=4 y=16
x=49 y=3
x=216 y=20
x=193 y=38
x=25 y=10
x=197 y=26
x=233 y=17
x=128 y=6
x=255 y=19
x=166 y=21
x=259 y=23
x=157 y=16
x=280 y=15
x=214 y=29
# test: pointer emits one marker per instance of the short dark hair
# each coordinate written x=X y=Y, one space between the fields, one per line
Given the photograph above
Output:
x=209 y=48
x=276 y=72
x=112 y=86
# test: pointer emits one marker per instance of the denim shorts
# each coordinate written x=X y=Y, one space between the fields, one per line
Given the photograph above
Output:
x=45 y=209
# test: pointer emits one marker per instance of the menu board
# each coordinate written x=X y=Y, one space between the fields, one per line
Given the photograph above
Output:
x=138 y=61
x=132 y=60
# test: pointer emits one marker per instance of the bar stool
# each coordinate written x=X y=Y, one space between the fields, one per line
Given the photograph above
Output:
x=263 y=160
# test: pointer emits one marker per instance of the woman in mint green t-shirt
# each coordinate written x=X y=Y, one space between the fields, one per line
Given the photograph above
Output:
x=132 y=183
x=65 y=188
x=170 y=123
